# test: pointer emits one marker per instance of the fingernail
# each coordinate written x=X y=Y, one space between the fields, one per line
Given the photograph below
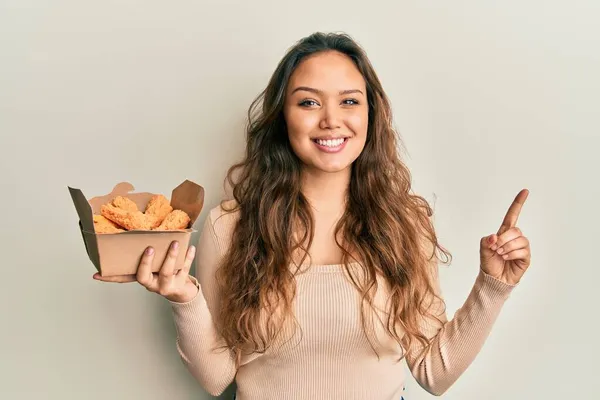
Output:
x=494 y=247
x=500 y=250
x=175 y=245
x=149 y=251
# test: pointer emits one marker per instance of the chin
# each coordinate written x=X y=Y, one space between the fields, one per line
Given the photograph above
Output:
x=330 y=168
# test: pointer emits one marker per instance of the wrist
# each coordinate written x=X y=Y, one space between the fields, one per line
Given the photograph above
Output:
x=188 y=293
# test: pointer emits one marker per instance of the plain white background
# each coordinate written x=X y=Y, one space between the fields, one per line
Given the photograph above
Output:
x=489 y=97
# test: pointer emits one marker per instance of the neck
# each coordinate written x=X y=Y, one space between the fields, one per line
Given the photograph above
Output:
x=326 y=191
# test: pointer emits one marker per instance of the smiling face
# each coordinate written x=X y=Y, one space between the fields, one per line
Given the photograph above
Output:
x=326 y=112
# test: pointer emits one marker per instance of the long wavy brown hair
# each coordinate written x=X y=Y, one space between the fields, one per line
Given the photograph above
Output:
x=384 y=224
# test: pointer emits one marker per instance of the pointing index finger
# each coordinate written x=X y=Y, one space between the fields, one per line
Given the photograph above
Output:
x=512 y=215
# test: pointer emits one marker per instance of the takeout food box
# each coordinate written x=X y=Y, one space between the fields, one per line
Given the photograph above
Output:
x=119 y=253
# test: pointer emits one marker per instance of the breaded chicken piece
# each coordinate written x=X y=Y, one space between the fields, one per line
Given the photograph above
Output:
x=176 y=219
x=130 y=220
x=157 y=209
x=124 y=203
x=105 y=225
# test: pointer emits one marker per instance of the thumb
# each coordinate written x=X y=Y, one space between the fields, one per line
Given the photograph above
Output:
x=488 y=241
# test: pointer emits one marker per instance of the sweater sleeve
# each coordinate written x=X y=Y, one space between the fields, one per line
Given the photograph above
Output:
x=455 y=343
x=198 y=339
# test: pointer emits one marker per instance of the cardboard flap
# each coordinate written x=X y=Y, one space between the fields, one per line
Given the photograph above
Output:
x=188 y=197
x=121 y=189
x=86 y=223
x=83 y=209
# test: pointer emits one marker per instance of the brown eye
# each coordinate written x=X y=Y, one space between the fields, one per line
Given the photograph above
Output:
x=307 y=103
x=350 y=102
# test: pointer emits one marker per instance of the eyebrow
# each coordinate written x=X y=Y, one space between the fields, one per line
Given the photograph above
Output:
x=317 y=91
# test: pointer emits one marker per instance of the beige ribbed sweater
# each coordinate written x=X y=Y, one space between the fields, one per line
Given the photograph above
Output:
x=330 y=356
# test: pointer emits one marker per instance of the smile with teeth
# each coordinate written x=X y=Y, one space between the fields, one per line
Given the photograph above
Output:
x=330 y=142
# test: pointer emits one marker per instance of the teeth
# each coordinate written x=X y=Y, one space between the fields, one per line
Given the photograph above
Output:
x=330 y=143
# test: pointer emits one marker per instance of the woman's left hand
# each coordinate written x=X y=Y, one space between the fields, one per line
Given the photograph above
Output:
x=506 y=255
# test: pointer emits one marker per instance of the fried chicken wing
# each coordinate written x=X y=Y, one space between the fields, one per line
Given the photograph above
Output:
x=176 y=219
x=105 y=225
x=157 y=209
x=124 y=203
x=130 y=220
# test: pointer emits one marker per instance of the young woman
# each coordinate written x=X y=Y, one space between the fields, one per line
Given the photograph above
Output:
x=321 y=274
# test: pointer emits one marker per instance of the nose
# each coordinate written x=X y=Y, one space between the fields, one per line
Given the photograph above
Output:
x=330 y=118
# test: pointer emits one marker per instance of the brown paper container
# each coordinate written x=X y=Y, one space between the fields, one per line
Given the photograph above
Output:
x=120 y=253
